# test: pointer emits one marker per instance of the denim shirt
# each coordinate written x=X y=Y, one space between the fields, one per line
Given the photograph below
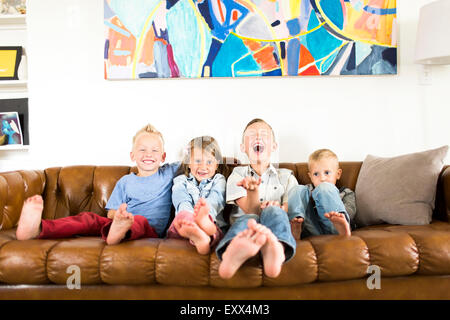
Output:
x=187 y=190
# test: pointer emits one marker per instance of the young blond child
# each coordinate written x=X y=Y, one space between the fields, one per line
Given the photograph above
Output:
x=320 y=207
x=198 y=196
x=259 y=194
x=139 y=206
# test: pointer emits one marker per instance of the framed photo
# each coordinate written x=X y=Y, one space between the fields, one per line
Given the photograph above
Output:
x=21 y=107
x=9 y=62
x=13 y=7
x=11 y=134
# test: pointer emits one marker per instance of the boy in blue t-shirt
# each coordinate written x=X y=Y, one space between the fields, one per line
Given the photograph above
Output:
x=139 y=206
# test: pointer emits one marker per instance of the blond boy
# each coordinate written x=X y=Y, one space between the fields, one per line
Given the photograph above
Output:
x=139 y=206
x=320 y=207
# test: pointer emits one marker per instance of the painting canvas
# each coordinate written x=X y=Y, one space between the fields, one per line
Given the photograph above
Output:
x=241 y=38
x=10 y=129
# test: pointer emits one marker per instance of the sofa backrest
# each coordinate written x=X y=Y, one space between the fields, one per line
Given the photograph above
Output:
x=73 y=189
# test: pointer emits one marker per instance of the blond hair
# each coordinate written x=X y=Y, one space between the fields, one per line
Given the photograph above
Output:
x=206 y=144
x=257 y=120
x=322 y=154
x=150 y=129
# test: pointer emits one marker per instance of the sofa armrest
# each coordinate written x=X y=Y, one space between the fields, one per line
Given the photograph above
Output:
x=446 y=190
x=15 y=187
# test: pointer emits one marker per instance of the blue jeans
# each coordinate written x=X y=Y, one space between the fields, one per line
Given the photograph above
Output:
x=273 y=218
x=326 y=198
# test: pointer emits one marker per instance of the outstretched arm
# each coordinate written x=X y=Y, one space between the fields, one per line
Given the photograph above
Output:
x=250 y=203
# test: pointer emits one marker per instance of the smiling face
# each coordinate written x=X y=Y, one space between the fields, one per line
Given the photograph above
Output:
x=258 y=143
x=148 y=153
x=203 y=164
x=324 y=170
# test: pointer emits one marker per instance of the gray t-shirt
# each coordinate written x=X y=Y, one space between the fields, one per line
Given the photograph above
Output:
x=150 y=196
x=275 y=186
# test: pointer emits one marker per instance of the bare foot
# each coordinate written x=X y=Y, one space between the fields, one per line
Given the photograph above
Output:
x=245 y=245
x=339 y=222
x=192 y=231
x=272 y=253
x=122 y=222
x=201 y=217
x=29 y=225
x=296 y=227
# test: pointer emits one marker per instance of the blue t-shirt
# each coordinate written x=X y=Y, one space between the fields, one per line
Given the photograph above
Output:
x=150 y=196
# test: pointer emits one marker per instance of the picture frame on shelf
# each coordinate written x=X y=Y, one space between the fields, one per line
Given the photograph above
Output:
x=19 y=105
x=10 y=58
x=13 y=7
x=11 y=134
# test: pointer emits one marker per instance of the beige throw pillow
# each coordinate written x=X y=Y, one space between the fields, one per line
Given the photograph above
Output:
x=398 y=190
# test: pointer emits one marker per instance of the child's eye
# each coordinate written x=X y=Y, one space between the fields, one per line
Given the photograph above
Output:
x=197 y=161
x=315 y=174
x=327 y=172
x=209 y=162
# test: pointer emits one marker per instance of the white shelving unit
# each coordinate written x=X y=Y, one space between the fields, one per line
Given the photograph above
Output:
x=13 y=85
x=15 y=147
x=13 y=21
x=13 y=32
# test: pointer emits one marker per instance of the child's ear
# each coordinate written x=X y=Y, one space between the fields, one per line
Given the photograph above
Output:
x=132 y=156
x=242 y=148
x=274 y=146
x=163 y=157
x=339 y=173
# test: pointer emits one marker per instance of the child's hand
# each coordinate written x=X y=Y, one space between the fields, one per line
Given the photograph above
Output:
x=266 y=204
x=249 y=183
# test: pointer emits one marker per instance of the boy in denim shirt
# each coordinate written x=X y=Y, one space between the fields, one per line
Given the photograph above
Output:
x=259 y=221
x=139 y=206
x=198 y=196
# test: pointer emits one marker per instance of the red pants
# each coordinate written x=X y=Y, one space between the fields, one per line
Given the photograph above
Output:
x=91 y=224
x=186 y=215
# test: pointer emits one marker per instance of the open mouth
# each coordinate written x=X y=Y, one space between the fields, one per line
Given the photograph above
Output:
x=258 y=147
x=148 y=161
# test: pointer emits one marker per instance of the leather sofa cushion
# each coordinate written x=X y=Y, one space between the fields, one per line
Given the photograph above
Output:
x=397 y=250
x=131 y=262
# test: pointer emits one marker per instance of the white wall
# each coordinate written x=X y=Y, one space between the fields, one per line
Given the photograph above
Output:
x=77 y=117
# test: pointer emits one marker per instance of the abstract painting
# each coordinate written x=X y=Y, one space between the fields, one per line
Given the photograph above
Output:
x=242 y=38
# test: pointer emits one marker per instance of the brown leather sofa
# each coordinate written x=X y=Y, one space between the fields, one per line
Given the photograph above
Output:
x=414 y=261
